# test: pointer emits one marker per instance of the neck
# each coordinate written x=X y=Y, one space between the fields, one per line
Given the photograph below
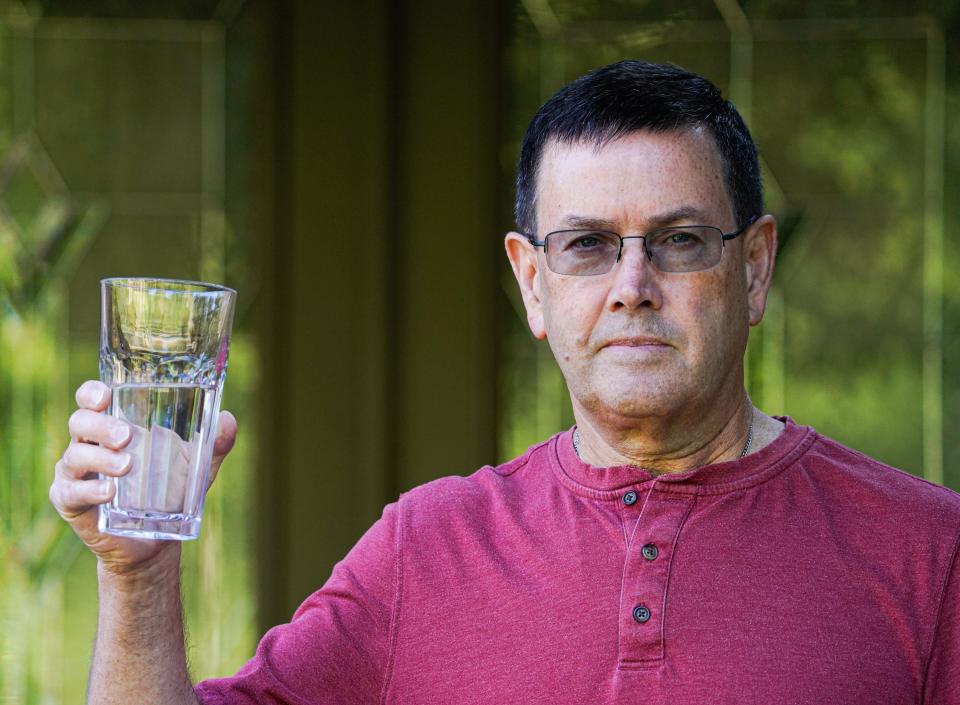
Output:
x=669 y=444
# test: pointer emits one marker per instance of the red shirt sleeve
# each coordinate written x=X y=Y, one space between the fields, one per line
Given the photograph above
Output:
x=942 y=685
x=336 y=648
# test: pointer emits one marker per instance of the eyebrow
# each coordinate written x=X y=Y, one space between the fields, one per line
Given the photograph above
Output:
x=688 y=213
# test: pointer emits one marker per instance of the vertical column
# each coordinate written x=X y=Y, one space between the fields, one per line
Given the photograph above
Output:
x=933 y=256
x=377 y=343
x=450 y=236
x=324 y=467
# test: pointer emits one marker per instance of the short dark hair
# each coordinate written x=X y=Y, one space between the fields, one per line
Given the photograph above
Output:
x=615 y=100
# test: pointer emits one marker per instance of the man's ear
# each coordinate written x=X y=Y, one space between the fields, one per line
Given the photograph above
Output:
x=526 y=268
x=759 y=254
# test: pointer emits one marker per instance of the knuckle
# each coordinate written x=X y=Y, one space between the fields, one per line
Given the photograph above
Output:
x=77 y=458
x=72 y=499
x=59 y=497
x=76 y=419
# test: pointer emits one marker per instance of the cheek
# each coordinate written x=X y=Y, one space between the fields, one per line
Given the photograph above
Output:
x=570 y=312
x=711 y=311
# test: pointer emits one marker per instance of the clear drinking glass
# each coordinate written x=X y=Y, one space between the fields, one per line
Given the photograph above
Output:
x=163 y=352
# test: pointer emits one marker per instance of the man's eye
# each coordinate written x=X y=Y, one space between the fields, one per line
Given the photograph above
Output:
x=678 y=239
x=588 y=242
x=585 y=242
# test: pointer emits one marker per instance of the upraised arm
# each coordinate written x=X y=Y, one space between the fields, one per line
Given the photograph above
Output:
x=139 y=655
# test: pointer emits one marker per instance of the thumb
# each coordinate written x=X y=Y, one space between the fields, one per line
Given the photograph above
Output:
x=226 y=436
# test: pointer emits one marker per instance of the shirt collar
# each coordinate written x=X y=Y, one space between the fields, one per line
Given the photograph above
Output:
x=609 y=483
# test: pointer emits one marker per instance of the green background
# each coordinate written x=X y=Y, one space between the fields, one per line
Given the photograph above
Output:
x=348 y=168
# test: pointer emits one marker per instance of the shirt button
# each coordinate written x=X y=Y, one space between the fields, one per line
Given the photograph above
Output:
x=650 y=552
x=641 y=614
x=630 y=498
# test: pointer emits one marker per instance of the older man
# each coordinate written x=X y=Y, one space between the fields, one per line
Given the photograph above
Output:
x=676 y=546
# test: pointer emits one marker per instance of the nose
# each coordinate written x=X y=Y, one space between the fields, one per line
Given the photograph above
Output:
x=636 y=282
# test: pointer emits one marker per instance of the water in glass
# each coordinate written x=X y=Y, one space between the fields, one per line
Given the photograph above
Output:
x=164 y=354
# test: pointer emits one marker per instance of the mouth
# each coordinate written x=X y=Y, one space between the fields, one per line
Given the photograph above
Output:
x=638 y=342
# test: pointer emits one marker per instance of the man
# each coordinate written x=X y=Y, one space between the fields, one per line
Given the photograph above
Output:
x=676 y=546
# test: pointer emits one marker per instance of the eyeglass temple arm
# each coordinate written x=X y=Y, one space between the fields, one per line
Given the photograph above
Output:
x=739 y=232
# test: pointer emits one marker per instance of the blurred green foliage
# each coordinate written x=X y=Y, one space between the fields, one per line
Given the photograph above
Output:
x=109 y=165
x=849 y=105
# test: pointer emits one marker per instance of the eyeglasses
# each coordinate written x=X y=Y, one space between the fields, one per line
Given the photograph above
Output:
x=679 y=248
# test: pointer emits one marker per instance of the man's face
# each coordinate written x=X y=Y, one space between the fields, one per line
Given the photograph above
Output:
x=637 y=342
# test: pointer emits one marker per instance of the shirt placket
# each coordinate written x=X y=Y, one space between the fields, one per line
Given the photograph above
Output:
x=656 y=518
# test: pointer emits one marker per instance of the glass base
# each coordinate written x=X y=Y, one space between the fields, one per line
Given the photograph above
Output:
x=148 y=525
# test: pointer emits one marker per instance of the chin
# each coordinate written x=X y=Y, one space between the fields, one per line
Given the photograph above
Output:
x=634 y=401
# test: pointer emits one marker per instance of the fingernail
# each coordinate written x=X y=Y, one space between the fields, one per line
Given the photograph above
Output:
x=121 y=461
x=119 y=433
x=99 y=394
x=104 y=488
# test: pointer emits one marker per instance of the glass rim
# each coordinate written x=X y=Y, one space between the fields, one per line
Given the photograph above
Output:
x=202 y=288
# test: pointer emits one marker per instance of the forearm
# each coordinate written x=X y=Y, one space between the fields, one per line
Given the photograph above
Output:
x=139 y=656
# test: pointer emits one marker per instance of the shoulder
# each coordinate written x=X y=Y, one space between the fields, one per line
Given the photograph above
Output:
x=465 y=497
x=870 y=486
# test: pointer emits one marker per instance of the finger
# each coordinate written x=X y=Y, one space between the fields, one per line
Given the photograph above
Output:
x=99 y=428
x=81 y=459
x=226 y=434
x=71 y=498
x=93 y=395
x=226 y=437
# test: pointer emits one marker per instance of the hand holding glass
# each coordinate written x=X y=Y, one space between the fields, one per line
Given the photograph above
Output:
x=163 y=352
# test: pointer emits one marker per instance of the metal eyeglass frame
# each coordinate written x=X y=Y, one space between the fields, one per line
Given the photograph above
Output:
x=723 y=241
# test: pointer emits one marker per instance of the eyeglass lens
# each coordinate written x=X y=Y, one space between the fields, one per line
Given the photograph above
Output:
x=585 y=252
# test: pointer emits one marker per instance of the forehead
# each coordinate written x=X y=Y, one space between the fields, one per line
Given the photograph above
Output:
x=631 y=180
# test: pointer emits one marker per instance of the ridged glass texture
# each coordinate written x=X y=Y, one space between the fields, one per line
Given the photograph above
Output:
x=163 y=352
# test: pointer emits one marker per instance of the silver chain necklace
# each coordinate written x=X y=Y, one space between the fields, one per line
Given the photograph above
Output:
x=746 y=446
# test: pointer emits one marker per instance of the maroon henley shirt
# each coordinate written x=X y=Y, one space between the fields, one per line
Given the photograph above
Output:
x=805 y=573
